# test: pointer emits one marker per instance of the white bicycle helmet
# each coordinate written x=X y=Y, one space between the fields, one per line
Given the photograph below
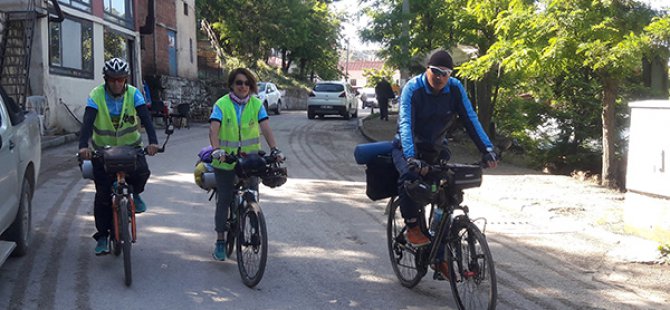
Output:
x=116 y=67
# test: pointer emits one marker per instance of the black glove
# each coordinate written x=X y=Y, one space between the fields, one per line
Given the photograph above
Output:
x=489 y=157
x=277 y=154
x=416 y=164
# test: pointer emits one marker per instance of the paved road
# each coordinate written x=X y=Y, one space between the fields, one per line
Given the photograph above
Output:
x=327 y=242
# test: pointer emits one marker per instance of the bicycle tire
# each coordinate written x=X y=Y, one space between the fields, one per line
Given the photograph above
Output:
x=466 y=276
x=252 y=244
x=404 y=259
x=125 y=241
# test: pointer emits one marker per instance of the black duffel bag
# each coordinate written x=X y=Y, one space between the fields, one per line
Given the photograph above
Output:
x=381 y=177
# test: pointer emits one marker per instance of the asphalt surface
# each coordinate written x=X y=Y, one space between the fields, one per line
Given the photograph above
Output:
x=327 y=241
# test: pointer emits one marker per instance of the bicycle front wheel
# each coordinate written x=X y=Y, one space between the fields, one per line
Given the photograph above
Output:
x=125 y=240
x=231 y=234
x=404 y=257
x=472 y=272
x=252 y=244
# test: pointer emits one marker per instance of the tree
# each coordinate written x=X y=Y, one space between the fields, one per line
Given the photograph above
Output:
x=303 y=31
x=565 y=37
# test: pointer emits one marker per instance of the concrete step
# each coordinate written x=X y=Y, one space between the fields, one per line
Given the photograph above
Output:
x=6 y=249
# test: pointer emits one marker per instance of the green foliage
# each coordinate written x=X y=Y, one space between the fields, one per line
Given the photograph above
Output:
x=374 y=76
x=303 y=32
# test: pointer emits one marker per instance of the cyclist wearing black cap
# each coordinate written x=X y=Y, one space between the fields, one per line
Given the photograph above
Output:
x=428 y=104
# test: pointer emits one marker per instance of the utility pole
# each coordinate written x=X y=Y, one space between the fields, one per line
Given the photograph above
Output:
x=346 y=68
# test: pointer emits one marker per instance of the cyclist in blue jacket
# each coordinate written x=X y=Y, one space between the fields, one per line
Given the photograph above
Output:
x=428 y=104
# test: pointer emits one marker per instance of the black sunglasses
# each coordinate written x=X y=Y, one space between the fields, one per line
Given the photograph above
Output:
x=240 y=83
x=440 y=72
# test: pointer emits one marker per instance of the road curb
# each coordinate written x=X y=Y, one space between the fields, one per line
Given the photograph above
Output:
x=364 y=132
x=54 y=141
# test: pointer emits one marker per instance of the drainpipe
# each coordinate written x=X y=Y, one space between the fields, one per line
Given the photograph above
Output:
x=149 y=22
x=59 y=14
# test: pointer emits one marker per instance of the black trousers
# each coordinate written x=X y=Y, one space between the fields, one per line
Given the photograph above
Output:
x=384 y=108
x=102 y=207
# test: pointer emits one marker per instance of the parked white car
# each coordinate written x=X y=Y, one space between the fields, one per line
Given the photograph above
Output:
x=332 y=98
x=20 y=159
x=270 y=96
x=368 y=98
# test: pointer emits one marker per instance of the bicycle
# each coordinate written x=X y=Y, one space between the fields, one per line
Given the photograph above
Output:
x=456 y=239
x=247 y=231
x=121 y=161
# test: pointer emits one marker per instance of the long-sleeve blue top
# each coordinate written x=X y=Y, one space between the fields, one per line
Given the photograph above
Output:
x=424 y=116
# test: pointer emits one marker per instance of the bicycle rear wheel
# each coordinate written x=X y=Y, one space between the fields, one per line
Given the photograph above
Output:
x=472 y=272
x=252 y=244
x=125 y=240
x=404 y=257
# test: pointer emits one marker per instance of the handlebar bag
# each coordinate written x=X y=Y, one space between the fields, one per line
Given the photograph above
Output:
x=381 y=178
x=120 y=158
x=465 y=176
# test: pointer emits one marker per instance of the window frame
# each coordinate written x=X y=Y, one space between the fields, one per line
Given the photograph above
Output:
x=80 y=5
x=128 y=21
x=66 y=71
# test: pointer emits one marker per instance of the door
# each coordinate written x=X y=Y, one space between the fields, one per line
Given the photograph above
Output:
x=8 y=174
x=172 y=51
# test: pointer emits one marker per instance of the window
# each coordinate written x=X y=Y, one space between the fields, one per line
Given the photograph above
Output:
x=119 y=11
x=71 y=48
x=116 y=45
x=185 y=8
x=84 y=5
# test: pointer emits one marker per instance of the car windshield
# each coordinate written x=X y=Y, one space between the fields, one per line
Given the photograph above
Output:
x=329 y=88
x=261 y=86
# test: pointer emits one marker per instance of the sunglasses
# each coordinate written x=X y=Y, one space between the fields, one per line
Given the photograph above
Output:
x=240 y=83
x=116 y=80
x=440 y=72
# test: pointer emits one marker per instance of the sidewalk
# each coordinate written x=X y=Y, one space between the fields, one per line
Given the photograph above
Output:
x=52 y=141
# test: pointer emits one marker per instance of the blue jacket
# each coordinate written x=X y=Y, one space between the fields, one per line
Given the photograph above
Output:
x=425 y=117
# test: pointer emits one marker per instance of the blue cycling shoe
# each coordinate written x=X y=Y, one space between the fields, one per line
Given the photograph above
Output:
x=220 y=250
x=102 y=246
x=140 y=206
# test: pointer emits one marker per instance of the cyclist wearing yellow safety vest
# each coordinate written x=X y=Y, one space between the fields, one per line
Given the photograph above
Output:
x=236 y=123
x=111 y=119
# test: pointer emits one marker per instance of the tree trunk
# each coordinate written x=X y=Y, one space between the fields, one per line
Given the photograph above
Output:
x=284 y=67
x=484 y=103
x=610 y=90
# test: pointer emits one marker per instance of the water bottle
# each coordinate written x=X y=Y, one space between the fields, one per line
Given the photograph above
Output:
x=437 y=217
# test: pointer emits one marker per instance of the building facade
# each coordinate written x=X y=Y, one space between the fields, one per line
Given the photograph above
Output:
x=67 y=57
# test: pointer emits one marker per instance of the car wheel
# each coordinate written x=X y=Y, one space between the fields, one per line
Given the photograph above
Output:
x=347 y=114
x=310 y=115
x=19 y=232
x=278 y=109
x=265 y=104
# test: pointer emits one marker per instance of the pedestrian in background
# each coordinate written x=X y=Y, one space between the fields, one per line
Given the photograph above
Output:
x=384 y=93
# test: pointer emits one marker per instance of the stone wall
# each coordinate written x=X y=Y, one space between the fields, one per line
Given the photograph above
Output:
x=198 y=94
x=295 y=98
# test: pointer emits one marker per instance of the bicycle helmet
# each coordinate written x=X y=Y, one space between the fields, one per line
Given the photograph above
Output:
x=116 y=67
x=251 y=165
x=275 y=177
x=420 y=192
